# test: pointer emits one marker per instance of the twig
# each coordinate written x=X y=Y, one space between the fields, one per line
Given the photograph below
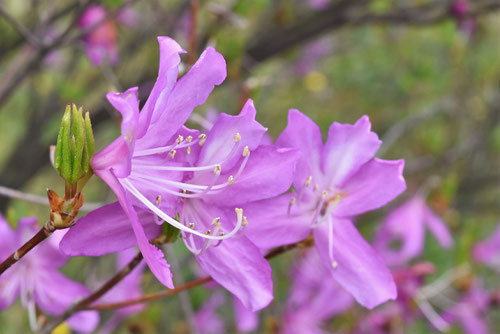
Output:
x=159 y=295
x=84 y=303
x=403 y=126
x=20 y=28
x=193 y=33
x=40 y=236
x=184 y=299
x=12 y=193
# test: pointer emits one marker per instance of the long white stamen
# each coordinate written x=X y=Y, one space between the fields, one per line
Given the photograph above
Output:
x=32 y=314
x=330 y=242
x=130 y=187
x=177 y=145
x=315 y=221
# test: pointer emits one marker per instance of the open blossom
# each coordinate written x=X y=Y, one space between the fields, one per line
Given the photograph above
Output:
x=333 y=181
x=488 y=250
x=313 y=300
x=408 y=224
x=101 y=43
x=37 y=280
x=158 y=169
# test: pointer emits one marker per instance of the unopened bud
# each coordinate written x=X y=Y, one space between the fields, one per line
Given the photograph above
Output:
x=74 y=149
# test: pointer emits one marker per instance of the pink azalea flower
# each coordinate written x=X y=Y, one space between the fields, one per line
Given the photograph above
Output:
x=158 y=168
x=333 y=181
x=313 y=300
x=37 y=280
x=101 y=43
x=408 y=223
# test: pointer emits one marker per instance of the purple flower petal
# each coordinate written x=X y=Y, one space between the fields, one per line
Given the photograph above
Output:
x=189 y=92
x=347 y=149
x=246 y=321
x=84 y=321
x=375 y=184
x=269 y=224
x=106 y=230
x=167 y=77
x=302 y=133
x=239 y=266
x=358 y=268
x=258 y=180
x=8 y=239
x=438 y=228
x=220 y=139
x=152 y=255
x=488 y=251
x=404 y=223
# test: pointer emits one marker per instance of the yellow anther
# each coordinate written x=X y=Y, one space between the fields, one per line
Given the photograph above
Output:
x=202 y=137
x=308 y=181
x=335 y=264
x=188 y=150
x=158 y=200
x=189 y=139
x=172 y=153
x=216 y=221
x=180 y=139
x=217 y=169
x=221 y=234
x=237 y=137
x=208 y=232
x=316 y=187
x=184 y=191
x=191 y=226
x=324 y=193
x=245 y=221
x=230 y=180
x=246 y=151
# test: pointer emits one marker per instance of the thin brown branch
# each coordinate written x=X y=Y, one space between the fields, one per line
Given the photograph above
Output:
x=16 y=76
x=193 y=31
x=40 y=236
x=84 y=303
x=160 y=295
x=42 y=200
x=20 y=28
x=271 y=41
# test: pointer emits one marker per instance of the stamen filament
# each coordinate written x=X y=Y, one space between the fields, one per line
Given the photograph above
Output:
x=133 y=190
x=177 y=145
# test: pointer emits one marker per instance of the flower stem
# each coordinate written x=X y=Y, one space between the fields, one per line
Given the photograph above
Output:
x=84 y=303
x=40 y=236
x=186 y=286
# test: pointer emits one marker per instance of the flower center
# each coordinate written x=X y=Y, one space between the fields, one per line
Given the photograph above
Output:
x=191 y=216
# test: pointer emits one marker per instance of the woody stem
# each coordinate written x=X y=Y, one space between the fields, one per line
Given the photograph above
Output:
x=159 y=295
x=40 y=236
x=84 y=303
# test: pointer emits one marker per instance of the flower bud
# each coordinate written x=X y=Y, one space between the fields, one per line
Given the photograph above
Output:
x=74 y=150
